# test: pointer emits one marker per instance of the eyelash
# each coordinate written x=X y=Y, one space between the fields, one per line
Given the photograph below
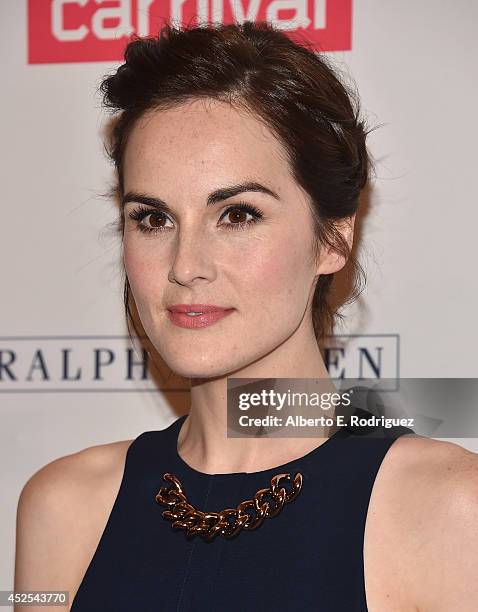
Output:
x=138 y=214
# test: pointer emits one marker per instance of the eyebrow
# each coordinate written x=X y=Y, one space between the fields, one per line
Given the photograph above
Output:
x=213 y=198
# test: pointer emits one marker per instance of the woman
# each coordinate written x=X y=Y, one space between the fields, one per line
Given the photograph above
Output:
x=240 y=159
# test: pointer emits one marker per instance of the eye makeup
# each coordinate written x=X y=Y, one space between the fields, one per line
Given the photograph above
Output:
x=140 y=213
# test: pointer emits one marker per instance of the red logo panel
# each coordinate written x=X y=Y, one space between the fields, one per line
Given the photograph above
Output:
x=97 y=30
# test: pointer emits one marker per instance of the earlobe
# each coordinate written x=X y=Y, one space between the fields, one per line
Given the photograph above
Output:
x=331 y=260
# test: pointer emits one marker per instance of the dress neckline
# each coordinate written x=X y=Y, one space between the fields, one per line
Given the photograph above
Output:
x=175 y=428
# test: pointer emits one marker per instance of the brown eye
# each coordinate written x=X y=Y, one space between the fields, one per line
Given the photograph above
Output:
x=237 y=215
x=157 y=220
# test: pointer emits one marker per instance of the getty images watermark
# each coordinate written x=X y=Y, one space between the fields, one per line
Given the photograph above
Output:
x=302 y=407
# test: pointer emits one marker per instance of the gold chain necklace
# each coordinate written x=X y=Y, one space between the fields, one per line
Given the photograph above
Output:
x=209 y=524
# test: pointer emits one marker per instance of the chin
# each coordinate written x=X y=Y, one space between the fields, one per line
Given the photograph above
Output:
x=190 y=371
x=210 y=366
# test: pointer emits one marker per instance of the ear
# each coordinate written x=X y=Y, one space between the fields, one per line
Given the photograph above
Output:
x=329 y=260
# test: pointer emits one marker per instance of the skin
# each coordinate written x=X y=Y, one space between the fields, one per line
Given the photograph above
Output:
x=421 y=537
x=181 y=155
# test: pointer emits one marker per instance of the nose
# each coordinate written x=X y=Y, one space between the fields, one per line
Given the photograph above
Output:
x=191 y=257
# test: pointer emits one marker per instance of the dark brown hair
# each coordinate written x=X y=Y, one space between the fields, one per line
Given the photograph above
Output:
x=292 y=89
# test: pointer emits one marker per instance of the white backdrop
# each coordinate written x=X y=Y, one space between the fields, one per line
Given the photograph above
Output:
x=415 y=67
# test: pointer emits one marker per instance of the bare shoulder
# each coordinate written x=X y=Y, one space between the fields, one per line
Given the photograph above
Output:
x=436 y=474
x=61 y=514
x=428 y=491
x=431 y=462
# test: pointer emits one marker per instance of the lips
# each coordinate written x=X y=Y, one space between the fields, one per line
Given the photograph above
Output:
x=203 y=308
x=210 y=314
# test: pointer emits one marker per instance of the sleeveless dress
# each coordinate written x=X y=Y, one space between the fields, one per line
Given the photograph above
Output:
x=308 y=557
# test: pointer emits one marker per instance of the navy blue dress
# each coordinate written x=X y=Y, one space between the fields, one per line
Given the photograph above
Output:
x=308 y=557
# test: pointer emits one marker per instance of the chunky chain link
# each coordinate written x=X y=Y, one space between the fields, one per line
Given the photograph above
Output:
x=248 y=515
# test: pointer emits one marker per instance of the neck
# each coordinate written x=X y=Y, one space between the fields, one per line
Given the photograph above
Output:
x=203 y=443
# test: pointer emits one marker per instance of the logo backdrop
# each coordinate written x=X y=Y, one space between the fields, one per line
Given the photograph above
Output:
x=69 y=378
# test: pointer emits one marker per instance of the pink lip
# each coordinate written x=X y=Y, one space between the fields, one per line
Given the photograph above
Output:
x=196 y=308
x=211 y=314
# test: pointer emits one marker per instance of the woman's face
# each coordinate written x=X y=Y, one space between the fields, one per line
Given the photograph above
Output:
x=199 y=253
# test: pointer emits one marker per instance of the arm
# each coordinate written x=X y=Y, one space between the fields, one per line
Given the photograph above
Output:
x=61 y=514
x=45 y=556
x=447 y=554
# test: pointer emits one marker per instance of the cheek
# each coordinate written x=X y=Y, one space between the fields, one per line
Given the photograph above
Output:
x=145 y=274
x=266 y=275
x=280 y=277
